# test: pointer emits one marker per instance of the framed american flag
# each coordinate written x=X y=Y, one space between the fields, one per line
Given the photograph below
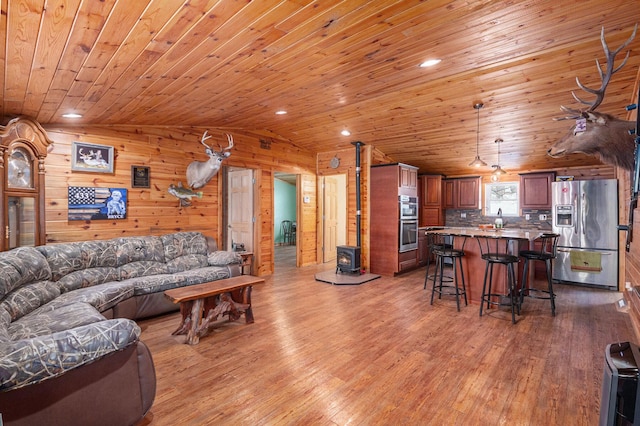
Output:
x=90 y=203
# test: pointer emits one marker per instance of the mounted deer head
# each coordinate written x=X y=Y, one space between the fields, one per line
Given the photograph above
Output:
x=199 y=173
x=595 y=133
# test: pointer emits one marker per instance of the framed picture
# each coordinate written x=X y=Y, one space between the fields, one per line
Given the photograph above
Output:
x=88 y=157
x=140 y=177
x=90 y=203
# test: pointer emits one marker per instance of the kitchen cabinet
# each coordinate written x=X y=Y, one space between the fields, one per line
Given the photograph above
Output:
x=431 y=210
x=388 y=183
x=462 y=193
x=408 y=179
x=423 y=248
x=535 y=190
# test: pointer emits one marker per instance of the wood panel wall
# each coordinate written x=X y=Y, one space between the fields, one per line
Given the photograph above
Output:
x=368 y=156
x=168 y=151
x=631 y=258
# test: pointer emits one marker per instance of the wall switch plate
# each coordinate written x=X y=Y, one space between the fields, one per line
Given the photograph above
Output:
x=463 y=215
x=543 y=217
x=527 y=217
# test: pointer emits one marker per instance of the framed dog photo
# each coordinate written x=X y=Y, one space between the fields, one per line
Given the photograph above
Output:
x=88 y=157
x=140 y=177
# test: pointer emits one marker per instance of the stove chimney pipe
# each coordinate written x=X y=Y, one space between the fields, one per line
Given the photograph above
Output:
x=358 y=144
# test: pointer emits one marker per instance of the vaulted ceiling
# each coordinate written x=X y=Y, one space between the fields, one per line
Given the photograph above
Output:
x=331 y=65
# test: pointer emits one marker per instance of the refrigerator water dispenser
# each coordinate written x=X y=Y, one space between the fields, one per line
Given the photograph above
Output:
x=564 y=216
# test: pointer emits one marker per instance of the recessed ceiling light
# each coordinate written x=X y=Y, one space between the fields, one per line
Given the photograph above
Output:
x=345 y=132
x=281 y=112
x=430 y=63
x=72 y=115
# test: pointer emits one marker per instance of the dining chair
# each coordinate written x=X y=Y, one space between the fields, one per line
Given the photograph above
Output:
x=286 y=227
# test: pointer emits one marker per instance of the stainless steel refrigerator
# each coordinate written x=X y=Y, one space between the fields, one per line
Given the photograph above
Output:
x=585 y=214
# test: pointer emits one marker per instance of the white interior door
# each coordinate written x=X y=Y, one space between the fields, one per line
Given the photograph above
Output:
x=240 y=208
x=334 y=222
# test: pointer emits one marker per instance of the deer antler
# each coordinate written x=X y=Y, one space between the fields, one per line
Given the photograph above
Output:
x=605 y=77
x=204 y=138
x=230 y=139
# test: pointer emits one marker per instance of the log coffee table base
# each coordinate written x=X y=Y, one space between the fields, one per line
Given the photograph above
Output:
x=202 y=304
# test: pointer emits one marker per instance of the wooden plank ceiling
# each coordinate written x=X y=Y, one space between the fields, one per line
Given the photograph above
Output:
x=332 y=65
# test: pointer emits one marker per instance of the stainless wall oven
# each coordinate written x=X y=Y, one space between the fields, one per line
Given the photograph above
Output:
x=408 y=235
x=408 y=207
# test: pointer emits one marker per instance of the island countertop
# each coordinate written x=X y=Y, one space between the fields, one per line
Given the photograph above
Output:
x=474 y=265
x=507 y=233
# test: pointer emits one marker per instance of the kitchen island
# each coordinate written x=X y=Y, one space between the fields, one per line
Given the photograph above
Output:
x=473 y=264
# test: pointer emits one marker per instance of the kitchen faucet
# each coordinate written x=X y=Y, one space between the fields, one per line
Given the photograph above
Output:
x=499 y=223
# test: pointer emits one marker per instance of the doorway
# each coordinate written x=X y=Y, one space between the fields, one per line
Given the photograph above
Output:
x=334 y=215
x=240 y=217
x=284 y=219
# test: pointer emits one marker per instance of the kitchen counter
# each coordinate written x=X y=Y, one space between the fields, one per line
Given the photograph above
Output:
x=472 y=263
x=507 y=233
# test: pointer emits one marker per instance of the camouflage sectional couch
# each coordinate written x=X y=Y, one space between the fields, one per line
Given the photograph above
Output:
x=69 y=349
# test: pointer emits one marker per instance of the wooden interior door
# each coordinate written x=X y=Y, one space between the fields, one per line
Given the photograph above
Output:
x=240 y=208
x=330 y=222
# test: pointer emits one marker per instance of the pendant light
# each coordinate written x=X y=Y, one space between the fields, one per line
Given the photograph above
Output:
x=495 y=176
x=477 y=162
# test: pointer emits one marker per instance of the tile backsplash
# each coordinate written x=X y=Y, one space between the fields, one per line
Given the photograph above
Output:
x=475 y=218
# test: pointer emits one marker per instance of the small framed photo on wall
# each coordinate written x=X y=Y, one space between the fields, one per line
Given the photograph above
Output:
x=140 y=177
x=88 y=157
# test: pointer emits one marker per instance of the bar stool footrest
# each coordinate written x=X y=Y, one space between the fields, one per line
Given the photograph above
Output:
x=445 y=279
x=538 y=295
x=504 y=299
x=451 y=290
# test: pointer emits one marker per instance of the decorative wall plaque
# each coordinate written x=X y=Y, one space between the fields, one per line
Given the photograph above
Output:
x=140 y=177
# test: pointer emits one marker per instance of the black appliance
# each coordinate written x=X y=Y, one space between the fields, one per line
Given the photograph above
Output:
x=348 y=259
x=620 y=394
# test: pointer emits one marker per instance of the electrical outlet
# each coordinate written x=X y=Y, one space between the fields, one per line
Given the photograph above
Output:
x=527 y=217
x=543 y=217
x=463 y=215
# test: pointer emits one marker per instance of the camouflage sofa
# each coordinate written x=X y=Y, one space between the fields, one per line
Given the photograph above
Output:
x=67 y=334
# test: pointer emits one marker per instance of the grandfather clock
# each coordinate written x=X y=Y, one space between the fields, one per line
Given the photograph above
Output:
x=23 y=148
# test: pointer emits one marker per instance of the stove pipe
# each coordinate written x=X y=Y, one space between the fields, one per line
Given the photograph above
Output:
x=358 y=144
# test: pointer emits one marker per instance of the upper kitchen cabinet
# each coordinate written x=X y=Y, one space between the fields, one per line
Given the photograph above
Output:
x=430 y=190
x=462 y=193
x=408 y=180
x=535 y=190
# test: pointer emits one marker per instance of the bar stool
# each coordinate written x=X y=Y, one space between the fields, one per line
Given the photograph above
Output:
x=435 y=242
x=495 y=251
x=545 y=250
x=442 y=253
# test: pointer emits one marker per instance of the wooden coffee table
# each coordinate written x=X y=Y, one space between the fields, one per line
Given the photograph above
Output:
x=201 y=304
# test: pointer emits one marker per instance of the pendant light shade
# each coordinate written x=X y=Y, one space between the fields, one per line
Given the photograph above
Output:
x=498 y=171
x=477 y=162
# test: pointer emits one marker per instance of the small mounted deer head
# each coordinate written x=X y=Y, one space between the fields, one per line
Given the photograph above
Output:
x=199 y=173
x=596 y=133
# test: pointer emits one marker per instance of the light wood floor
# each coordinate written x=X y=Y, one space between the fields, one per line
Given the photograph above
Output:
x=380 y=354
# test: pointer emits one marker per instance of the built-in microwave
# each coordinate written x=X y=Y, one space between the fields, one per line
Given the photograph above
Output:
x=408 y=207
